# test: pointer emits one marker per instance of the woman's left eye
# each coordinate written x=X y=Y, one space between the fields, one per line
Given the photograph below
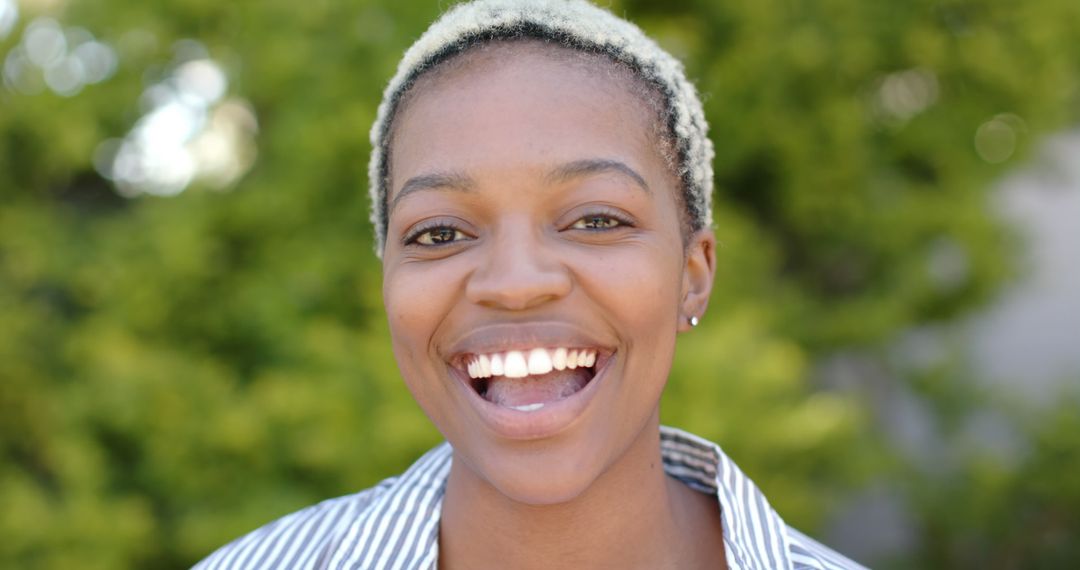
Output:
x=597 y=222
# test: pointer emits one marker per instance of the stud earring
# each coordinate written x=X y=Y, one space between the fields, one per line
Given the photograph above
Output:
x=694 y=321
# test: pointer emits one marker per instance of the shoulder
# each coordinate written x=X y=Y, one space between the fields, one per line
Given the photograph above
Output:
x=304 y=539
x=381 y=523
x=807 y=553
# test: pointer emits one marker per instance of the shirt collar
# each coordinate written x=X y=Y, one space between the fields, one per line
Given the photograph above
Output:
x=400 y=528
x=754 y=534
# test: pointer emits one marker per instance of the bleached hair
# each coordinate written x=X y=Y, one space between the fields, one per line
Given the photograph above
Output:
x=575 y=24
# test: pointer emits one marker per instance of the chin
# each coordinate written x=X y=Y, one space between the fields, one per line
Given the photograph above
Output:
x=539 y=478
x=541 y=486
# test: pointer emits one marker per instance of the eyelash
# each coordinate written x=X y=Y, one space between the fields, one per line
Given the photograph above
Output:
x=621 y=221
x=414 y=237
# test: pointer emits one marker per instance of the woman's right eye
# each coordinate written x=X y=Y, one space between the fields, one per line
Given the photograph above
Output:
x=434 y=236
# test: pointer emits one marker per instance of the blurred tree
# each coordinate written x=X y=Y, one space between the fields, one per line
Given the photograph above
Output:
x=179 y=370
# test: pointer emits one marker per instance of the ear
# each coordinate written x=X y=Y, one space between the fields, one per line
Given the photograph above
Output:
x=699 y=270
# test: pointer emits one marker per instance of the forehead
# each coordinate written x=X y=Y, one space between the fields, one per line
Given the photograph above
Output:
x=511 y=102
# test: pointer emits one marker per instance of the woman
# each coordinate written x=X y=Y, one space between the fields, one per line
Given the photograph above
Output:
x=541 y=194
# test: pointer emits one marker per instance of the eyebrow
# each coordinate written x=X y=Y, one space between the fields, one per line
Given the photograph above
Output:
x=591 y=166
x=461 y=182
x=437 y=181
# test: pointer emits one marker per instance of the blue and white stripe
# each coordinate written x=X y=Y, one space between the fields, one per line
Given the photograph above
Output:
x=395 y=525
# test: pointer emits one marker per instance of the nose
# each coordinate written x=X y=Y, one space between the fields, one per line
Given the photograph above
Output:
x=519 y=271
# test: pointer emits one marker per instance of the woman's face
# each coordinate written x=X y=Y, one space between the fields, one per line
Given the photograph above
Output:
x=531 y=211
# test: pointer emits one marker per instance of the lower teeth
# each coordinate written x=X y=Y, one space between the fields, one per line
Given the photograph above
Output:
x=528 y=407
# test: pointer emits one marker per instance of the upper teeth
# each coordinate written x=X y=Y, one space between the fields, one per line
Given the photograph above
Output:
x=519 y=364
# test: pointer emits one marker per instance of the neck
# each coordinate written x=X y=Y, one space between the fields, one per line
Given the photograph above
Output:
x=632 y=516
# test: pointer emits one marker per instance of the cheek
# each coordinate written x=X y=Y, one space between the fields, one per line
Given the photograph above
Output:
x=637 y=291
x=640 y=286
x=417 y=300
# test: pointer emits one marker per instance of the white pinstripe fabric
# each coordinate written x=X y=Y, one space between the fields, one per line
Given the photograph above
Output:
x=395 y=524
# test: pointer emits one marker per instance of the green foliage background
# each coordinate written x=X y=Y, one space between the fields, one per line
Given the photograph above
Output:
x=177 y=371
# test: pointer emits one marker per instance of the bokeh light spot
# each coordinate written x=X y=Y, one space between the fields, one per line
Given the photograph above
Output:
x=996 y=139
x=9 y=15
x=98 y=61
x=902 y=95
x=66 y=77
x=44 y=42
x=20 y=75
x=202 y=79
x=63 y=59
x=187 y=133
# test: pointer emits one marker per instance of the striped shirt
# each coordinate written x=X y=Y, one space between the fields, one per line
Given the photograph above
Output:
x=395 y=525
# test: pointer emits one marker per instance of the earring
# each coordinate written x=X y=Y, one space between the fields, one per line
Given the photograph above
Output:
x=694 y=321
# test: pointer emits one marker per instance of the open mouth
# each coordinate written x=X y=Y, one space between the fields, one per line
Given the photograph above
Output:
x=528 y=380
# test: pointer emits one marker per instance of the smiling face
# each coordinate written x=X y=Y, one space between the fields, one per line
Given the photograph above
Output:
x=535 y=274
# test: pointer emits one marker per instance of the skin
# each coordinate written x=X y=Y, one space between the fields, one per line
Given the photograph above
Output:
x=600 y=248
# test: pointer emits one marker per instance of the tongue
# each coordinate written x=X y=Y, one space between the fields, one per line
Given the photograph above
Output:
x=543 y=389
